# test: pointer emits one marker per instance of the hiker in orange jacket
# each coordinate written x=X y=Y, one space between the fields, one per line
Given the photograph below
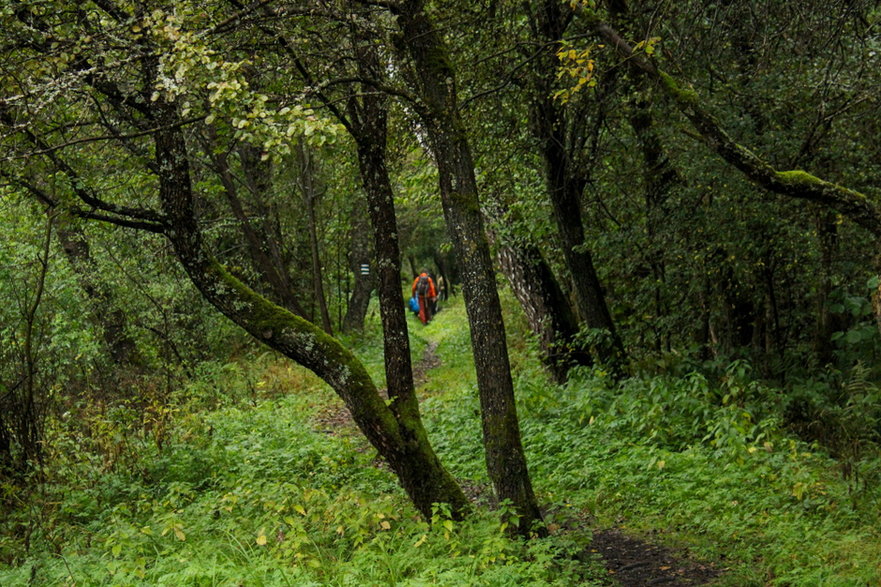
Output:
x=424 y=290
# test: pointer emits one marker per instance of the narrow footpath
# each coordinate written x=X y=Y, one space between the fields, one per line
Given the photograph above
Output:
x=629 y=561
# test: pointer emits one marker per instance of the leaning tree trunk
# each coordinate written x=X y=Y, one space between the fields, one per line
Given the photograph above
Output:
x=401 y=441
x=546 y=307
x=369 y=126
x=435 y=81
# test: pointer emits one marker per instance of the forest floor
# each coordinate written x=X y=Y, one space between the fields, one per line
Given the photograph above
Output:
x=629 y=561
x=633 y=562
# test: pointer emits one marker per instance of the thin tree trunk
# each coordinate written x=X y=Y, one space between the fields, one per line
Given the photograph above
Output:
x=27 y=413
x=359 y=254
x=827 y=237
x=311 y=195
x=505 y=459
x=258 y=179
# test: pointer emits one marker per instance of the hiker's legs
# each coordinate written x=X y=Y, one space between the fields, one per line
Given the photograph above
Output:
x=423 y=310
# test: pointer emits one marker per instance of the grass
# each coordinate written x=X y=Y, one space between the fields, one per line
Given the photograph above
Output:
x=231 y=482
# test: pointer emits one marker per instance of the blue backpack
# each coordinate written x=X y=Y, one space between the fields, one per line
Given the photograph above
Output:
x=414 y=304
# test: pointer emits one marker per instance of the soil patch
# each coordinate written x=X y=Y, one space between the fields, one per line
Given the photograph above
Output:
x=635 y=563
x=336 y=418
x=429 y=361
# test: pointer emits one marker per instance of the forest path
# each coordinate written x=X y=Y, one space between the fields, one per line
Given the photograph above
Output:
x=629 y=561
x=336 y=418
x=633 y=562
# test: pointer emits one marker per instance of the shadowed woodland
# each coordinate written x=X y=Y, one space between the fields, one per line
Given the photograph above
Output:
x=657 y=358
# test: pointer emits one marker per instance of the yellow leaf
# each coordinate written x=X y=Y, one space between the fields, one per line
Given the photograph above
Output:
x=385 y=525
x=261 y=538
x=662 y=464
x=180 y=533
x=300 y=509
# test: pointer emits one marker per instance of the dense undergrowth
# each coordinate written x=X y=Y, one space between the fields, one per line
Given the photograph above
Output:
x=234 y=480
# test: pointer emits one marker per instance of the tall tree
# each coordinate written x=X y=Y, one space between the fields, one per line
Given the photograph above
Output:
x=434 y=81
x=562 y=136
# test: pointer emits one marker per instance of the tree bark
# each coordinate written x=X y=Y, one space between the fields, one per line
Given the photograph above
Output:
x=546 y=307
x=439 y=110
x=311 y=195
x=411 y=455
x=565 y=183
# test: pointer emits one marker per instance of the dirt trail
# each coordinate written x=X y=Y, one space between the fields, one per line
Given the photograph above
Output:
x=636 y=563
x=629 y=561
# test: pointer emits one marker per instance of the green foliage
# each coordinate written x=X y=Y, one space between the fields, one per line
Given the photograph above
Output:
x=245 y=488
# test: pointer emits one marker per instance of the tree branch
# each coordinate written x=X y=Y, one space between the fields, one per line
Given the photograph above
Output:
x=794 y=183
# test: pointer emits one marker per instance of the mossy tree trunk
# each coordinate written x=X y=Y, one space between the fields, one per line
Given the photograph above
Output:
x=368 y=124
x=794 y=183
x=404 y=445
x=434 y=81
